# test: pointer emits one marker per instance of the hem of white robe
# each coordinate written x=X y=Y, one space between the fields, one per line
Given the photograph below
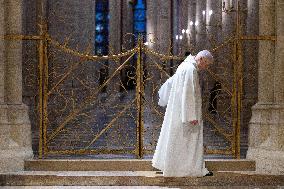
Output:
x=189 y=174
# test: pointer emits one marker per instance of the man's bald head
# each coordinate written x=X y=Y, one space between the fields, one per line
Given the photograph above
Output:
x=204 y=59
x=205 y=54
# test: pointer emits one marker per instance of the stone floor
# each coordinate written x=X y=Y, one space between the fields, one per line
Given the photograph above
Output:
x=120 y=174
x=141 y=187
x=127 y=165
x=137 y=178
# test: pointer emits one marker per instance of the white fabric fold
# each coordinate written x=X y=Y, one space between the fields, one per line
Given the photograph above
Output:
x=179 y=151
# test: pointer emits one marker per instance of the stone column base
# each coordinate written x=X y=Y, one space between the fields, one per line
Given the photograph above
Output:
x=13 y=159
x=15 y=137
x=267 y=161
x=266 y=138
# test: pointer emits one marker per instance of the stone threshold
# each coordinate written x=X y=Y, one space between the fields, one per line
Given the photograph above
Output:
x=127 y=165
x=134 y=178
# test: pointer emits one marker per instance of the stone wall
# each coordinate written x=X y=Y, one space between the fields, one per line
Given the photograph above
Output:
x=266 y=126
x=15 y=128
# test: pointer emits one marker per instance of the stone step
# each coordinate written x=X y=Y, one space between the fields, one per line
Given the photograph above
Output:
x=127 y=165
x=134 y=178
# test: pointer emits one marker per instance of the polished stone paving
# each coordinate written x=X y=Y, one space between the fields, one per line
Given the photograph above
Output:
x=140 y=179
x=141 y=187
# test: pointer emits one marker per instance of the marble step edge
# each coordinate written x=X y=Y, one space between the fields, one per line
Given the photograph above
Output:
x=146 y=178
x=126 y=165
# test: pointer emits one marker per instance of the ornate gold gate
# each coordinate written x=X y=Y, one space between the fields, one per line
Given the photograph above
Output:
x=107 y=104
x=84 y=112
x=93 y=105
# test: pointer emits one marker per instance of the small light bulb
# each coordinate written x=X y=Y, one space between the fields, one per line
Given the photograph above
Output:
x=204 y=12
x=182 y=31
x=180 y=37
x=176 y=37
x=210 y=12
x=187 y=31
x=146 y=43
x=196 y=23
x=191 y=23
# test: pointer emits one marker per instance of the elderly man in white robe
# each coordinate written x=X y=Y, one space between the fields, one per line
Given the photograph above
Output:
x=179 y=151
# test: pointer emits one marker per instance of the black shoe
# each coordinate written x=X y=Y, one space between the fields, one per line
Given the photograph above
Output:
x=209 y=174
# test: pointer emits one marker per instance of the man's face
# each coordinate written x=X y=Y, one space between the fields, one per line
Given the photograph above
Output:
x=203 y=63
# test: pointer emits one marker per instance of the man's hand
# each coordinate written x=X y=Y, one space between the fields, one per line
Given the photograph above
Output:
x=194 y=122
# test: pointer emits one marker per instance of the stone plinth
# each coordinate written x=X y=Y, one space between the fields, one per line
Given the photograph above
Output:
x=15 y=137
x=266 y=138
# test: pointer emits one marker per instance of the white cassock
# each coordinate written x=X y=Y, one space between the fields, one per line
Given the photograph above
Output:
x=179 y=150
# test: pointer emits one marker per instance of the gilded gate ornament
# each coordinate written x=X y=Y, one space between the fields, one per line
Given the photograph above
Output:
x=94 y=105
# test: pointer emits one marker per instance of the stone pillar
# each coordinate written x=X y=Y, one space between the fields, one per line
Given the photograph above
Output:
x=213 y=38
x=15 y=124
x=115 y=36
x=164 y=33
x=13 y=76
x=228 y=19
x=214 y=21
x=115 y=26
x=176 y=26
x=180 y=22
x=279 y=61
x=201 y=28
x=2 y=45
x=191 y=39
x=164 y=25
x=250 y=66
x=4 y=129
x=184 y=8
x=266 y=129
x=266 y=52
x=127 y=21
x=151 y=16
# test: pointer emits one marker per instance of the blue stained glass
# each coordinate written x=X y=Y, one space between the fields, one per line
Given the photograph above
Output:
x=140 y=26
x=102 y=27
x=139 y=16
x=99 y=6
x=99 y=16
x=99 y=38
x=140 y=5
x=99 y=28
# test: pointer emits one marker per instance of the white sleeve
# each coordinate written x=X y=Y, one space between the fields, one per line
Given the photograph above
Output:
x=188 y=104
x=164 y=92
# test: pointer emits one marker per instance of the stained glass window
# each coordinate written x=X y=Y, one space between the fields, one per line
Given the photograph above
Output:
x=139 y=21
x=102 y=22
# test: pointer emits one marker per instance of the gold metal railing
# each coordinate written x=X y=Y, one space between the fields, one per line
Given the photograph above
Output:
x=44 y=93
x=234 y=90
